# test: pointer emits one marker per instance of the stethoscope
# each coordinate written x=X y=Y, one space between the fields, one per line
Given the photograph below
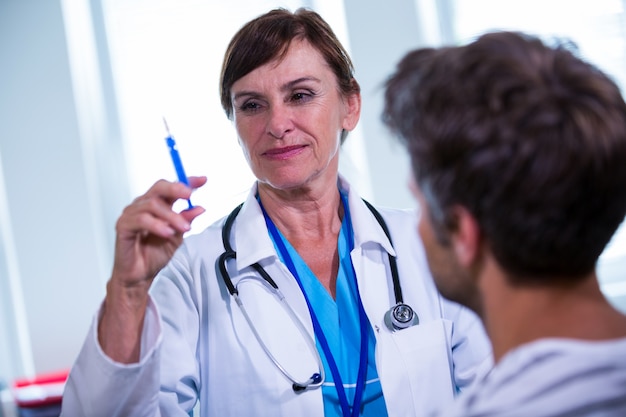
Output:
x=400 y=316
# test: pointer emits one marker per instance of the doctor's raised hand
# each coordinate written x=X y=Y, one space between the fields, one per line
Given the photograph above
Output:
x=147 y=234
x=306 y=300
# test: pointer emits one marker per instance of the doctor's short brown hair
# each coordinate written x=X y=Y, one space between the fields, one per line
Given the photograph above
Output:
x=268 y=37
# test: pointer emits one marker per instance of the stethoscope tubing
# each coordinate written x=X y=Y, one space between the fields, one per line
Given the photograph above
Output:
x=318 y=379
x=312 y=382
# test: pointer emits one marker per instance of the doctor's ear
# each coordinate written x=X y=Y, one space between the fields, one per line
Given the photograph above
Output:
x=466 y=237
x=353 y=111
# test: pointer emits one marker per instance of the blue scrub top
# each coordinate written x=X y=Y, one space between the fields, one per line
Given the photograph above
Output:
x=339 y=320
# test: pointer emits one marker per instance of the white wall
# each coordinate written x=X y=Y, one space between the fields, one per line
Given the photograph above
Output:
x=57 y=250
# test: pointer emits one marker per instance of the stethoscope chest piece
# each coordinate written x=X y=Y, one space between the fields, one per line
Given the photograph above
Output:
x=400 y=316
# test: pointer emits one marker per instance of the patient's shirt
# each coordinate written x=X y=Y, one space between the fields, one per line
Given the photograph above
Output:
x=551 y=377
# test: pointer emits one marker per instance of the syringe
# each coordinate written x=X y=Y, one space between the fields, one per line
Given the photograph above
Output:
x=178 y=164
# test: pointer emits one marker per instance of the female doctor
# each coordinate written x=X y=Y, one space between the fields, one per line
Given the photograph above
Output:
x=354 y=326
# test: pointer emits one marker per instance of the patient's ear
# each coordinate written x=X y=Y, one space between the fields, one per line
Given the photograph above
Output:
x=466 y=237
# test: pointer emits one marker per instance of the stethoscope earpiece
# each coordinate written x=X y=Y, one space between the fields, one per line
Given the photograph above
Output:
x=400 y=317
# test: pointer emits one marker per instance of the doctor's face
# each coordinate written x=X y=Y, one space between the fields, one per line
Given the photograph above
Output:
x=289 y=115
x=453 y=281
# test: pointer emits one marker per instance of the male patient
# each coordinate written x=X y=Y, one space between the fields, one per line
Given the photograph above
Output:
x=518 y=151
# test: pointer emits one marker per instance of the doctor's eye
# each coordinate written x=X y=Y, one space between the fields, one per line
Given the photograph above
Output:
x=301 y=97
x=249 y=106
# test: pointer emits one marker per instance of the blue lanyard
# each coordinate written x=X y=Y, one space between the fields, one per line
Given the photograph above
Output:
x=363 y=322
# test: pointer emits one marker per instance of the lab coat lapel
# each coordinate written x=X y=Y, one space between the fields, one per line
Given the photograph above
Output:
x=371 y=265
x=370 y=260
x=253 y=244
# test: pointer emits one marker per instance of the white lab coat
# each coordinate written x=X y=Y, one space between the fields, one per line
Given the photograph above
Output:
x=197 y=345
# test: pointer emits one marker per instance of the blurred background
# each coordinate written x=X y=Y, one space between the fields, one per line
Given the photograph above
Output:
x=84 y=85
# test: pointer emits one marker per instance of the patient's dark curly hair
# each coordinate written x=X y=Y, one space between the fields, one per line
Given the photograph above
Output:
x=530 y=138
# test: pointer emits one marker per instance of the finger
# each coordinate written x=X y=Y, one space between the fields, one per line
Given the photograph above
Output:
x=149 y=225
x=197 y=182
x=164 y=216
x=192 y=213
x=168 y=191
x=143 y=224
x=178 y=190
x=152 y=214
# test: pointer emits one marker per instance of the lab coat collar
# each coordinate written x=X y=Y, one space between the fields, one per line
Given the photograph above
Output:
x=253 y=243
x=365 y=226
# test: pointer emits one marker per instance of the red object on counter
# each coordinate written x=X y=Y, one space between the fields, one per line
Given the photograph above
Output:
x=40 y=390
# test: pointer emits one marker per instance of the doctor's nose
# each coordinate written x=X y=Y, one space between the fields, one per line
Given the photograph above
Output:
x=279 y=121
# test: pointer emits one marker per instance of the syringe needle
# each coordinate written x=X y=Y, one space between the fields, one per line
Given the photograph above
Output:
x=167 y=128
